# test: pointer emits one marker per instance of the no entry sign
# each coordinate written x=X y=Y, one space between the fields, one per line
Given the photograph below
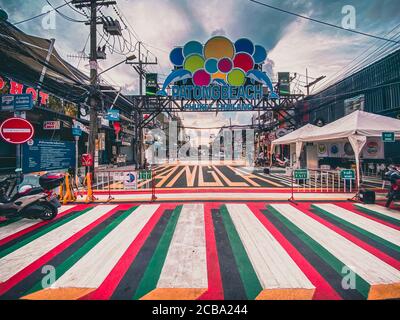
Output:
x=16 y=130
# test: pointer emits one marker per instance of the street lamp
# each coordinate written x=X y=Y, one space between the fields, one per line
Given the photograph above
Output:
x=129 y=58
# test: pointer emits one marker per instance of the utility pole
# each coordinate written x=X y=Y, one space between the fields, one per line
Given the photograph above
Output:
x=138 y=66
x=95 y=98
x=308 y=85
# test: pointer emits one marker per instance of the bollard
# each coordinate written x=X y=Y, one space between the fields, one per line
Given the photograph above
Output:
x=89 y=195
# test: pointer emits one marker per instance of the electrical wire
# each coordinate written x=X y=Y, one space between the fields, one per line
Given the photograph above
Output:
x=323 y=22
x=63 y=15
x=42 y=14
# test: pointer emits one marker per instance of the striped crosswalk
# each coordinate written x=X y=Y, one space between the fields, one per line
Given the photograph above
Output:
x=197 y=250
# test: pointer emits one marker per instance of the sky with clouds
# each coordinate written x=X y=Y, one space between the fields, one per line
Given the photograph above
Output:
x=293 y=44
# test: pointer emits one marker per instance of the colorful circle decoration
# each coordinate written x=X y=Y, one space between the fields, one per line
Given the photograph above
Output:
x=192 y=47
x=225 y=65
x=236 y=78
x=211 y=65
x=201 y=78
x=218 y=48
x=348 y=149
x=243 y=61
x=260 y=54
x=244 y=45
x=193 y=63
x=219 y=59
x=176 y=57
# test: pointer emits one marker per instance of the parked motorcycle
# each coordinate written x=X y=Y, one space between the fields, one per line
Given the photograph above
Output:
x=393 y=175
x=31 y=201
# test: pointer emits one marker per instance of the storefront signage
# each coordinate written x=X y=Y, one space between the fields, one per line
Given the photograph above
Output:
x=301 y=174
x=18 y=102
x=388 y=137
x=77 y=124
x=46 y=155
x=51 y=125
x=219 y=70
x=16 y=88
x=348 y=174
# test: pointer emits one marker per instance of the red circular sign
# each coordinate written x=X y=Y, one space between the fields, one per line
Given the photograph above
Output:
x=16 y=130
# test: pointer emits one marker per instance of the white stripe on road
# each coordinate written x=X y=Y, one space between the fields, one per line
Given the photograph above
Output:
x=17 y=260
x=274 y=267
x=379 y=229
x=395 y=214
x=384 y=280
x=186 y=265
x=91 y=270
x=23 y=224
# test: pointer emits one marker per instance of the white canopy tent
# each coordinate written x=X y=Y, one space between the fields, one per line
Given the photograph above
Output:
x=355 y=127
x=295 y=137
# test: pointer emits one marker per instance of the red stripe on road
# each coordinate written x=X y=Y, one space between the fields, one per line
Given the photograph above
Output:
x=5 y=286
x=107 y=288
x=305 y=208
x=323 y=290
x=215 y=289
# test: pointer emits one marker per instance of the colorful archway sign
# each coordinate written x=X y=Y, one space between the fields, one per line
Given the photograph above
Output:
x=16 y=130
x=218 y=70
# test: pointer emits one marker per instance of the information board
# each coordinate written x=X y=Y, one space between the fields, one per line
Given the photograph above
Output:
x=45 y=155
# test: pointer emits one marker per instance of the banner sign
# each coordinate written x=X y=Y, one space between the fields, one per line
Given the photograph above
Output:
x=51 y=125
x=16 y=88
x=45 y=155
x=77 y=132
x=145 y=175
x=151 y=84
x=301 y=174
x=130 y=181
x=348 y=174
x=18 y=102
x=113 y=115
x=218 y=70
x=388 y=137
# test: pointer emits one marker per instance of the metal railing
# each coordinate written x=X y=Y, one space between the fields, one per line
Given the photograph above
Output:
x=122 y=180
x=324 y=181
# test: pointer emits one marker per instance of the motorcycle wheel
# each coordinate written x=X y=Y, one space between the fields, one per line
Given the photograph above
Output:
x=389 y=201
x=49 y=212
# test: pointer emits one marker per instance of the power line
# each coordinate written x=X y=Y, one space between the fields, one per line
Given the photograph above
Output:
x=42 y=14
x=63 y=15
x=323 y=22
x=351 y=68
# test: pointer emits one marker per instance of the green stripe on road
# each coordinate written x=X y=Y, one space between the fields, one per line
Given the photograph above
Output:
x=362 y=286
x=154 y=268
x=249 y=277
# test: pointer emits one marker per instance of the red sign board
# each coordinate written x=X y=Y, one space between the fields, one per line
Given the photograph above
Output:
x=16 y=130
x=87 y=160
